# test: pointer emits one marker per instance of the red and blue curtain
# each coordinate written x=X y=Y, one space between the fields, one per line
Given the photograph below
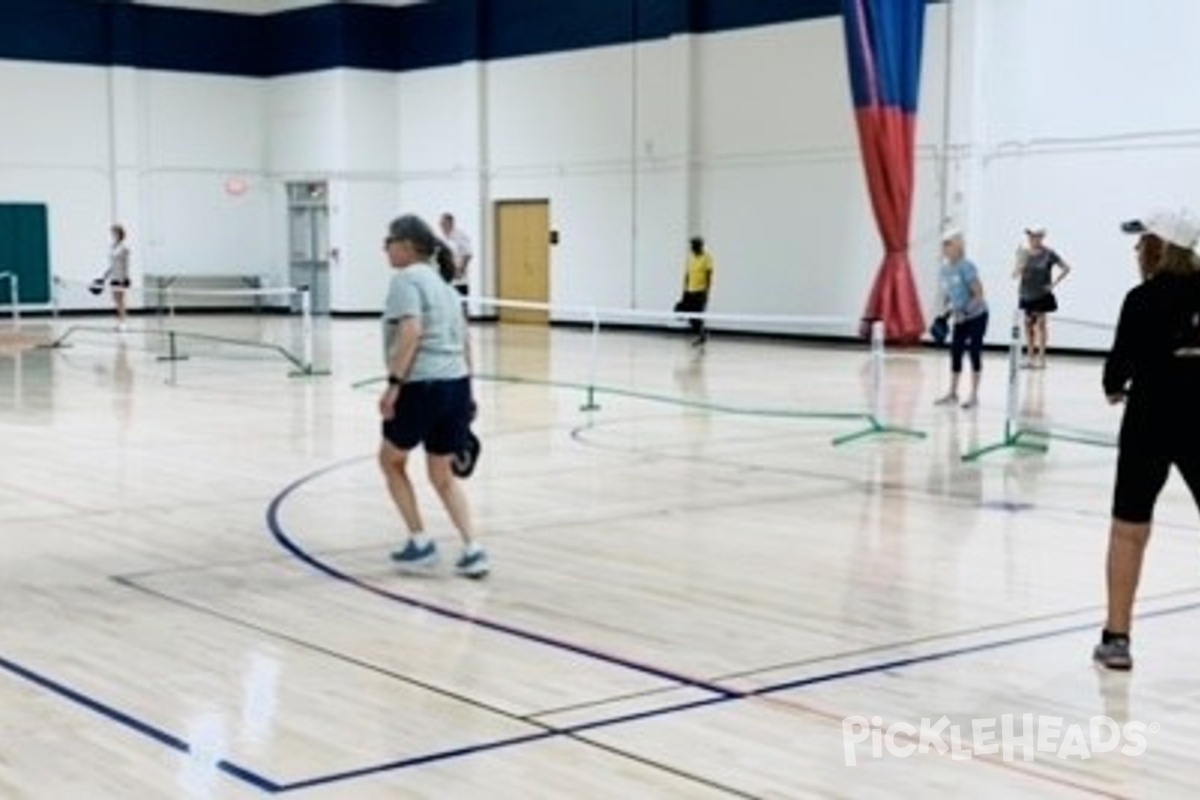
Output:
x=883 y=46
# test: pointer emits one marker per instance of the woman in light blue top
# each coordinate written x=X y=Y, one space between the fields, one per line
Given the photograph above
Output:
x=962 y=299
x=428 y=397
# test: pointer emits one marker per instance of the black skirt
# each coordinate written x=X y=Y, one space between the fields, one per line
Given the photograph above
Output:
x=1045 y=304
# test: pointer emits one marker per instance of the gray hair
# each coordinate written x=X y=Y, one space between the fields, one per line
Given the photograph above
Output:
x=415 y=231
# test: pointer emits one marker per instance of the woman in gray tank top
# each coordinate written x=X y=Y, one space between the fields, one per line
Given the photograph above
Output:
x=1035 y=269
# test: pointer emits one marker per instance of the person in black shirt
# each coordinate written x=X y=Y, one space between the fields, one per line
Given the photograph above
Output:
x=1154 y=369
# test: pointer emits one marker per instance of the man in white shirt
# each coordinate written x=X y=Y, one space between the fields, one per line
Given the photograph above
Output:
x=460 y=247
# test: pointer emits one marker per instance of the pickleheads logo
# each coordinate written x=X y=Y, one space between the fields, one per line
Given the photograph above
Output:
x=1006 y=736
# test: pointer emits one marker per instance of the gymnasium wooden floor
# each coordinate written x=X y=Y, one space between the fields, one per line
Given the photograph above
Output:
x=694 y=589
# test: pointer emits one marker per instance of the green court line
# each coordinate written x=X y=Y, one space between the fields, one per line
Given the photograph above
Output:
x=1036 y=440
x=874 y=426
x=1077 y=437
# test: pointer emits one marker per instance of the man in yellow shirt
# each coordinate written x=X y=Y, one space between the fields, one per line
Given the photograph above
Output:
x=697 y=283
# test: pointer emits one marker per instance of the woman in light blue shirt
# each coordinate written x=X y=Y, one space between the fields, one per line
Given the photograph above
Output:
x=428 y=397
x=962 y=299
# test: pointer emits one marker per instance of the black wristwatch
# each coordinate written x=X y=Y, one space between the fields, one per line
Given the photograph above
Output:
x=394 y=381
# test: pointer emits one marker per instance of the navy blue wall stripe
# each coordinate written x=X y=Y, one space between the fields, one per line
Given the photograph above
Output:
x=712 y=16
x=156 y=37
x=357 y=35
x=56 y=31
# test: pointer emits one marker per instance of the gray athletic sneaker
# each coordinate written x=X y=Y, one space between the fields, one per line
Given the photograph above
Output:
x=474 y=564
x=1114 y=654
x=414 y=557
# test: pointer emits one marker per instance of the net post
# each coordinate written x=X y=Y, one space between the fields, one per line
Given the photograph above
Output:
x=875 y=421
x=160 y=297
x=1012 y=401
x=1013 y=435
x=308 y=337
x=590 y=403
x=306 y=326
x=172 y=356
x=14 y=297
x=877 y=345
x=173 y=353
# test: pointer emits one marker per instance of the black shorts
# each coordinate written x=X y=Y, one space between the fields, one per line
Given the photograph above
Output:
x=1153 y=437
x=1045 y=304
x=120 y=284
x=436 y=414
x=1141 y=475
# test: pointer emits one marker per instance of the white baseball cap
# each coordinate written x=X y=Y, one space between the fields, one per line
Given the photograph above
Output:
x=1179 y=228
x=951 y=233
x=1035 y=230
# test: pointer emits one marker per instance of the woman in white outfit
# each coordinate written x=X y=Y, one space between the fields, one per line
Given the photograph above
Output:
x=117 y=276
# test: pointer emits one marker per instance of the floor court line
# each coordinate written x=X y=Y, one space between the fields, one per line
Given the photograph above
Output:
x=719 y=698
x=900 y=663
x=297 y=551
x=950 y=635
x=573 y=731
x=347 y=658
x=122 y=719
x=890 y=487
x=267 y=785
x=535 y=718
x=281 y=536
x=546 y=731
x=722 y=696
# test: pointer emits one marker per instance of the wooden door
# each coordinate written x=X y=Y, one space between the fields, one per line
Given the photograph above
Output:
x=523 y=257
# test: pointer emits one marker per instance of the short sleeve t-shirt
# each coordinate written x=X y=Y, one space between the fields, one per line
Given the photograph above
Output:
x=460 y=248
x=699 y=272
x=1036 y=273
x=956 y=279
x=419 y=291
x=118 y=263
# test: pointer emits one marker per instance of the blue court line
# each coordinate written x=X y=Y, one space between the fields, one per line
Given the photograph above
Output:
x=723 y=696
x=144 y=728
x=286 y=541
x=900 y=663
x=403 y=763
x=272 y=787
x=638 y=716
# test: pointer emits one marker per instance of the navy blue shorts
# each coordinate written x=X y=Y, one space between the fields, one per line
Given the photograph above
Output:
x=436 y=414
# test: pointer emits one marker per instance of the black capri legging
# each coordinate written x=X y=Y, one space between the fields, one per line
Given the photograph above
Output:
x=1140 y=478
x=1153 y=437
x=968 y=338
